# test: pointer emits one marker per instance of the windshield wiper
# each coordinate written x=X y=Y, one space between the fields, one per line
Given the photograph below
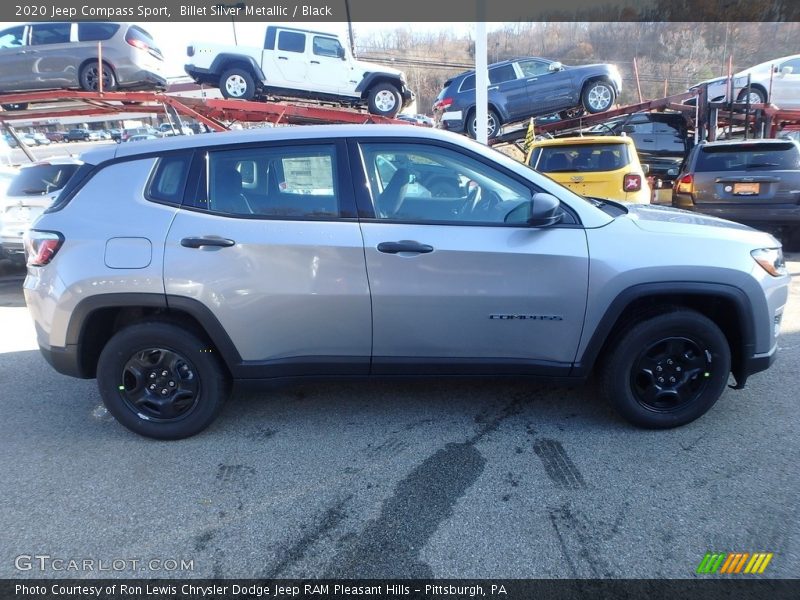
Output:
x=34 y=192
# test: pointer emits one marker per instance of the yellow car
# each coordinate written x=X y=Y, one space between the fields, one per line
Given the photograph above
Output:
x=597 y=166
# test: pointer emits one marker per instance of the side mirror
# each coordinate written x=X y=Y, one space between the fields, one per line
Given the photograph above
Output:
x=646 y=169
x=555 y=66
x=545 y=210
x=340 y=53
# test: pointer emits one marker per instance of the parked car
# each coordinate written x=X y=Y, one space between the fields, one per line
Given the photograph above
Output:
x=298 y=63
x=132 y=131
x=55 y=136
x=29 y=193
x=595 y=166
x=173 y=290
x=781 y=75
x=56 y=55
x=140 y=137
x=7 y=174
x=41 y=139
x=756 y=182
x=95 y=136
x=116 y=134
x=78 y=135
x=421 y=120
x=167 y=129
x=524 y=88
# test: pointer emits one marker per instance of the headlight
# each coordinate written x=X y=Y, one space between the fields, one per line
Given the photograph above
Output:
x=771 y=260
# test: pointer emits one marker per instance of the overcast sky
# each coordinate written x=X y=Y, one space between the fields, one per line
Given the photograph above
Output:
x=173 y=38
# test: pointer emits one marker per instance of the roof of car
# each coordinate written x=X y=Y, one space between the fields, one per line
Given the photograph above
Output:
x=55 y=160
x=586 y=139
x=743 y=142
x=305 y=132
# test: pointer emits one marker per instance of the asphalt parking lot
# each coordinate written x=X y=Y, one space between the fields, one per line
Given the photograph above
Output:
x=446 y=479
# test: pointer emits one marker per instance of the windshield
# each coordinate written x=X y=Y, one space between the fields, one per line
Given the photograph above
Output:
x=41 y=179
x=761 y=157
x=580 y=158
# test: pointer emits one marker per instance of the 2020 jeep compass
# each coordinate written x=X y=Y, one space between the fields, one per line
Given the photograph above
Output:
x=169 y=269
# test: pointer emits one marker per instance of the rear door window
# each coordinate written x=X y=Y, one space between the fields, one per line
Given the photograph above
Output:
x=502 y=74
x=749 y=157
x=292 y=41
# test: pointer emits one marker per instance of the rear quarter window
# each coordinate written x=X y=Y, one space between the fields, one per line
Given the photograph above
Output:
x=96 y=32
x=168 y=181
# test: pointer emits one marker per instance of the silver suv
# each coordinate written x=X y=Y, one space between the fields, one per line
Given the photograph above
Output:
x=169 y=269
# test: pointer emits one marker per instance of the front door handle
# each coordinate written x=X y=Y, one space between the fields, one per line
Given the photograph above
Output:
x=199 y=242
x=283 y=58
x=314 y=62
x=404 y=246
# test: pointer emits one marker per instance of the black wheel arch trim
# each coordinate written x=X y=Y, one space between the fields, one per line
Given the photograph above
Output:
x=376 y=77
x=744 y=309
x=221 y=61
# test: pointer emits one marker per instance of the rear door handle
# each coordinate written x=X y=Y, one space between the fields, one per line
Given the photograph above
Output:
x=533 y=79
x=199 y=242
x=283 y=58
x=647 y=140
x=314 y=62
x=493 y=87
x=404 y=246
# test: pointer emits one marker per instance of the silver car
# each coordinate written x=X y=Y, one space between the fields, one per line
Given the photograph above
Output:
x=39 y=56
x=28 y=194
x=168 y=269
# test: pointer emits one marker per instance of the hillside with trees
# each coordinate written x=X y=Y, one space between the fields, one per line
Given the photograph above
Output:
x=669 y=56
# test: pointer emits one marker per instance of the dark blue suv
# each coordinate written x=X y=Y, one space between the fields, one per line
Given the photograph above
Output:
x=527 y=87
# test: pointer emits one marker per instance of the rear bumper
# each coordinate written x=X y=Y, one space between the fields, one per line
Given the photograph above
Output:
x=450 y=120
x=142 y=80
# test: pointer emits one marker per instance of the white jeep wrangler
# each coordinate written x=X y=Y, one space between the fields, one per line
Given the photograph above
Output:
x=297 y=63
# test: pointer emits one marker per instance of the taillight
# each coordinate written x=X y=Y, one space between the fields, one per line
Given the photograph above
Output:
x=137 y=43
x=442 y=104
x=685 y=185
x=632 y=182
x=41 y=246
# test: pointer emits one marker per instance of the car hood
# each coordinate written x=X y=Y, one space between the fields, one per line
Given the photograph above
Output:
x=369 y=67
x=665 y=219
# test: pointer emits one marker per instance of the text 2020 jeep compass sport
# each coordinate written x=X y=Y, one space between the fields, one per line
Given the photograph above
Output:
x=169 y=269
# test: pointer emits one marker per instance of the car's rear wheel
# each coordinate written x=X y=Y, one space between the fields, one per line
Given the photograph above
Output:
x=16 y=106
x=161 y=381
x=384 y=100
x=238 y=84
x=598 y=96
x=667 y=370
x=91 y=74
x=492 y=124
x=756 y=96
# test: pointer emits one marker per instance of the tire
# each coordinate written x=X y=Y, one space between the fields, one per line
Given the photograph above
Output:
x=687 y=347
x=238 y=84
x=757 y=96
x=89 y=77
x=194 y=388
x=493 y=124
x=17 y=106
x=598 y=96
x=384 y=100
x=572 y=113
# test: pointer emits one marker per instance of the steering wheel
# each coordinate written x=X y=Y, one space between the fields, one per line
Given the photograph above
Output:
x=472 y=201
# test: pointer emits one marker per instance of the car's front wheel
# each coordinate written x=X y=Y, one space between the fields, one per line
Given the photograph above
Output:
x=238 y=84
x=91 y=75
x=384 y=100
x=598 y=96
x=667 y=370
x=492 y=124
x=756 y=96
x=161 y=381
